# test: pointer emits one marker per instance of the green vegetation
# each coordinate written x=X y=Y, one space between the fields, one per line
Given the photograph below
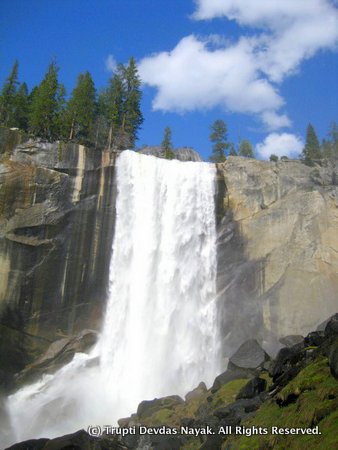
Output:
x=219 y=137
x=167 y=144
x=110 y=120
x=245 y=149
x=312 y=148
x=273 y=158
x=310 y=399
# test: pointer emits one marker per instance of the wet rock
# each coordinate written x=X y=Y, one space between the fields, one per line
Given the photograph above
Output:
x=291 y=340
x=75 y=441
x=250 y=355
x=287 y=358
x=331 y=328
x=252 y=388
x=196 y=393
x=333 y=358
x=314 y=339
x=148 y=407
x=57 y=355
x=229 y=375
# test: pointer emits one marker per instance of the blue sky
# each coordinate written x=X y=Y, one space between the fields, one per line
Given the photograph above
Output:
x=266 y=68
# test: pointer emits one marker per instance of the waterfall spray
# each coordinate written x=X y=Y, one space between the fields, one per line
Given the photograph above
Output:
x=159 y=335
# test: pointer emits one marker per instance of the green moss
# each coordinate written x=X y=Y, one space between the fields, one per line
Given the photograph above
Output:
x=311 y=398
x=227 y=393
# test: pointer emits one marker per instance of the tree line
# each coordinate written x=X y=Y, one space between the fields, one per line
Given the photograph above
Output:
x=312 y=150
x=110 y=118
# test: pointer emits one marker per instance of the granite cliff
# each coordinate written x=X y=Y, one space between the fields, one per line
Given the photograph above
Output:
x=277 y=246
x=56 y=228
x=278 y=249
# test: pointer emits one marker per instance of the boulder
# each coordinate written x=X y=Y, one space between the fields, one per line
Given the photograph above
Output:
x=250 y=355
x=229 y=375
x=286 y=359
x=291 y=340
x=314 y=339
x=149 y=407
x=75 y=441
x=331 y=328
x=333 y=358
x=252 y=388
x=57 y=355
x=196 y=393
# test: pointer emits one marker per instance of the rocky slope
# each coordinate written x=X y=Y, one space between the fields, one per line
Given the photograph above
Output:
x=277 y=249
x=257 y=403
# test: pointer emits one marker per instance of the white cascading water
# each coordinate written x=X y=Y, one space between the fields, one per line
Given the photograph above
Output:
x=160 y=330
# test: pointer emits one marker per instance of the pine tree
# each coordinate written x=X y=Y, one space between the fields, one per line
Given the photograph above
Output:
x=21 y=109
x=245 y=149
x=232 y=150
x=167 y=144
x=112 y=100
x=311 y=150
x=132 y=117
x=218 y=136
x=81 y=109
x=8 y=98
x=47 y=104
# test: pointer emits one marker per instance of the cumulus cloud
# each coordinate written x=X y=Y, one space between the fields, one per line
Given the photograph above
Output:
x=242 y=76
x=110 y=63
x=280 y=144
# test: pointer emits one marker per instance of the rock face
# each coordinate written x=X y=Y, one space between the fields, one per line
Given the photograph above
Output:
x=278 y=249
x=56 y=228
x=182 y=153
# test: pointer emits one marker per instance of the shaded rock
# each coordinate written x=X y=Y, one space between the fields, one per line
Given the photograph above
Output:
x=160 y=442
x=58 y=354
x=196 y=393
x=287 y=358
x=238 y=410
x=250 y=355
x=314 y=339
x=331 y=328
x=148 y=407
x=229 y=375
x=333 y=358
x=212 y=442
x=252 y=388
x=322 y=325
x=187 y=154
x=291 y=340
x=32 y=444
x=75 y=441
x=261 y=250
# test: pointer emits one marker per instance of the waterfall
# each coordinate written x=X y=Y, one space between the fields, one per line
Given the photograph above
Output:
x=159 y=335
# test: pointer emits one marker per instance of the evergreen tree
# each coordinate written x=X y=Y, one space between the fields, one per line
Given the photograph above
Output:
x=245 y=149
x=81 y=109
x=21 y=108
x=132 y=117
x=311 y=150
x=218 y=136
x=167 y=144
x=111 y=101
x=232 y=150
x=47 y=104
x=8 y=98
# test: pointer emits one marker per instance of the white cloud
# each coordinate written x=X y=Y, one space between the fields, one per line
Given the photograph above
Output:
x=242 y=76
x=280 y=144
x=110 y=63
x=194 y=77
